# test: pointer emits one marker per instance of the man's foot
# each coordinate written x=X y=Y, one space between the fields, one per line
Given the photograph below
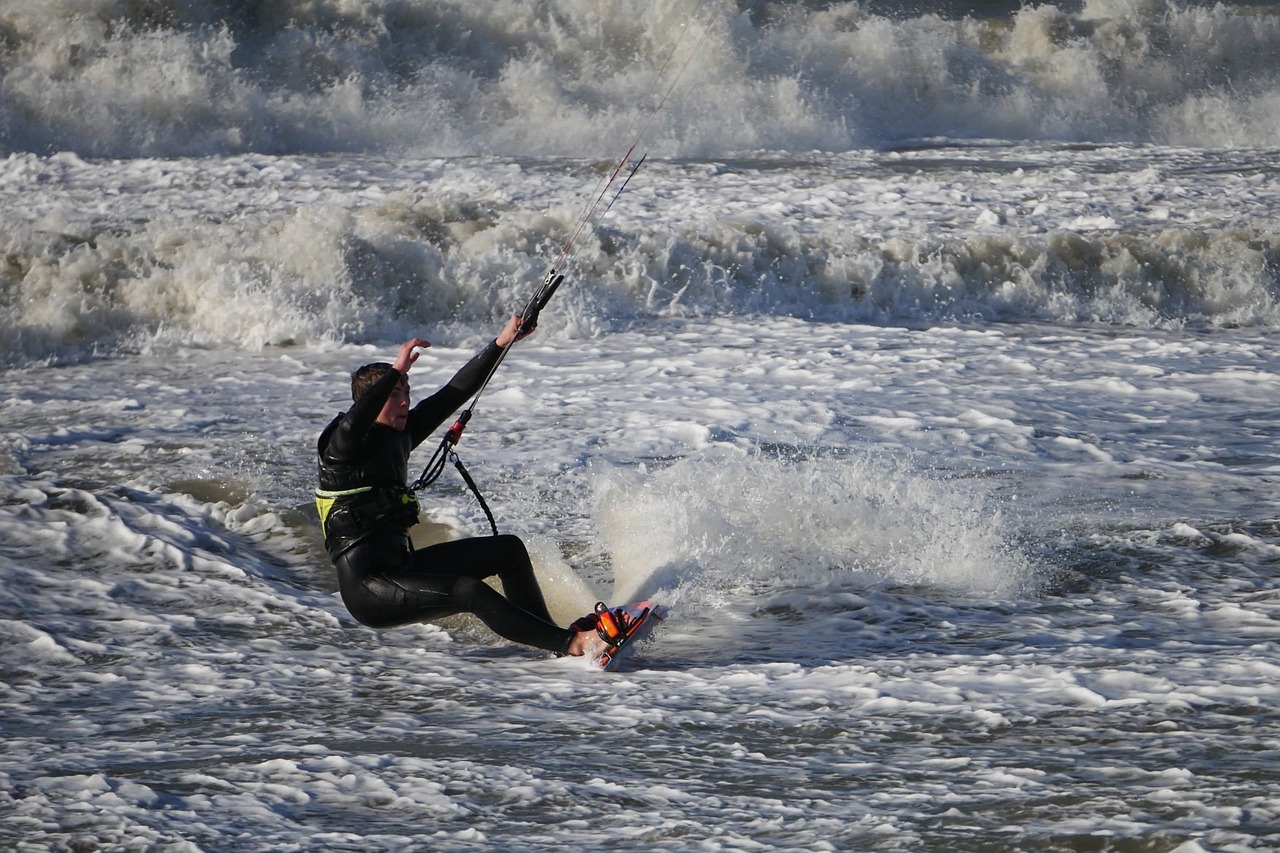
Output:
x=588 y=643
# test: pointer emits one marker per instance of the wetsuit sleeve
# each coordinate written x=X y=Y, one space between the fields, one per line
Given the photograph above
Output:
x=341 y=442
x=429 y=414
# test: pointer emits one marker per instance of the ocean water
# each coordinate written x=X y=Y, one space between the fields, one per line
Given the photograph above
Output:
x=926 y=372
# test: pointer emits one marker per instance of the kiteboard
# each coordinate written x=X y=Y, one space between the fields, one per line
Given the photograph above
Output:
x=644 y=619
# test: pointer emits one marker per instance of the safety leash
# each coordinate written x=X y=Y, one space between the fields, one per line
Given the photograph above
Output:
x=475 y=490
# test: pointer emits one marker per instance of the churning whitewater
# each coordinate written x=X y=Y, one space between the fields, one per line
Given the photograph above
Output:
x=925 y=372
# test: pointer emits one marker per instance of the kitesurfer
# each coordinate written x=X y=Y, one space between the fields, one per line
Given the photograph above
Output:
x=366 y=511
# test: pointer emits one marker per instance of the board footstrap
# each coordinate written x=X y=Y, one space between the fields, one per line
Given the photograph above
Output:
x=615 y=633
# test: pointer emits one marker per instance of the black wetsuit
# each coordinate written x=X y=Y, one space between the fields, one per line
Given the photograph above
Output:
x=385 y=582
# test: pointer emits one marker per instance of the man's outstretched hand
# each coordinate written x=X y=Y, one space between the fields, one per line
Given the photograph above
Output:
x=409 y=354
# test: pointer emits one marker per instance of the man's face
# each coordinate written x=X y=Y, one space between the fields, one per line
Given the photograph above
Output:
x=395 y=412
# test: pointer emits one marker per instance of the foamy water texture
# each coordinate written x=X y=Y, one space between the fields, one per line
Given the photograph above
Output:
x=253 y=251
x=925 y=373
x=993 y=587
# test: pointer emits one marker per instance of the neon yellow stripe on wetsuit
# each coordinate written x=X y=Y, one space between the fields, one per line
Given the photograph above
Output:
x=325 y=499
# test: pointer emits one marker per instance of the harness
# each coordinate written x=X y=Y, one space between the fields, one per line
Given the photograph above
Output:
x=347 y=515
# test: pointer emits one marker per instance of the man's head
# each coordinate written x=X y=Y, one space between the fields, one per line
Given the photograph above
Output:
x=396 y=410
x=364 y=378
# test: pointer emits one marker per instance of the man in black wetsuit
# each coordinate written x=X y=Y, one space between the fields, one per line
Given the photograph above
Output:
x=366 y=511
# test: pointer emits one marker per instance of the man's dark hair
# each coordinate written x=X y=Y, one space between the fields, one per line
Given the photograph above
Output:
x=366 y=377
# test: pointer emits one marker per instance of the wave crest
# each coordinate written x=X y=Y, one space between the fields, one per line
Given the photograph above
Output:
x=115 y=78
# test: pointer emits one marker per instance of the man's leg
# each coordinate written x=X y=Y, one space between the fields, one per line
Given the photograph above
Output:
x=485 y=557
x=385 y=584
x=520 y=616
